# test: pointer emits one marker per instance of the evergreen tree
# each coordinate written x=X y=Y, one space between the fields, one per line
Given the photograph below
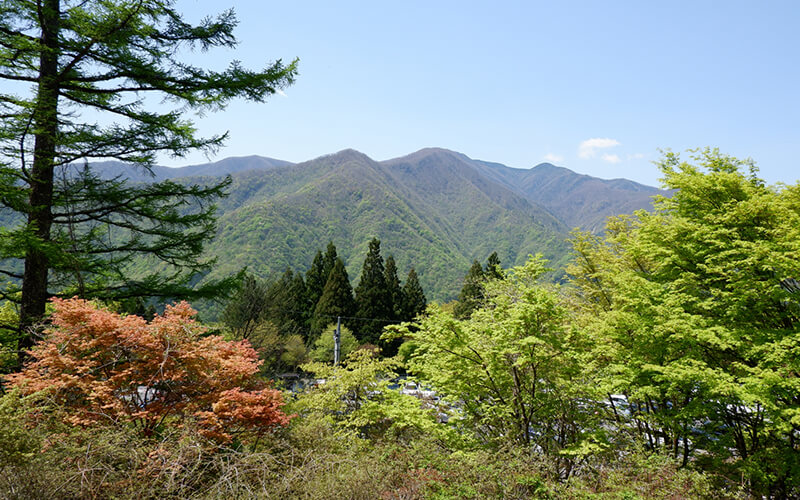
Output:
x=299 y=305
x=471 y=293
x=394 y=289
x=329 y=260
x=493 y=269
x=288 y=304
x=372 y=296
x=414 y=301
x=336 y=300
x=86 y=63
x=315 y=280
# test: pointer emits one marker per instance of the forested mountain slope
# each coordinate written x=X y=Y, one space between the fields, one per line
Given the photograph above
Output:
x=221 y=168
x=576 y=200
x=435 y=209
x=431 y=212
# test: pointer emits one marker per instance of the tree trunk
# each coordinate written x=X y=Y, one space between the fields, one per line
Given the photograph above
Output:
x=40 y=217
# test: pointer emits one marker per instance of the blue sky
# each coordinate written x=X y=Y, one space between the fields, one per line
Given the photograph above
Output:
x=597 y=87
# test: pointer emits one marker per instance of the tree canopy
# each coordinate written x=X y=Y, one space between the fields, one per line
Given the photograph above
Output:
x=337 y=298
x=247 y=307
x=79 y=77
x=107 y=368
x=414 y=301
x=373 y=298
x=471 y=294
x=514 y=366
x=394 y=289
x=697 y=314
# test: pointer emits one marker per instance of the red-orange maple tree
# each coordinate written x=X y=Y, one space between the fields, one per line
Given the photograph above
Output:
x=103 y=367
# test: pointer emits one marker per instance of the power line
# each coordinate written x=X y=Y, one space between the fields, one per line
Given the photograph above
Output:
x=383 y=320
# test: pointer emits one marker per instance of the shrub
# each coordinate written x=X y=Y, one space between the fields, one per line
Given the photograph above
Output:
x=102 y=367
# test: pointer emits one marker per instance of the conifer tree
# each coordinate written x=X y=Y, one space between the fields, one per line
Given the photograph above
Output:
x=299 y=305
x=288 y=303
x=329 y=260
x=315 y=280
x=372 y=296
x=414 y=301
x=336 y=300
x=471 y=293
x=394 y=289
x=77 y=75
x=493 y=269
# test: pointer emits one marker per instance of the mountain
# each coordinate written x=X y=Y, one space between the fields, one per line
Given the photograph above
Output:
x=221 y=168
x=434 y=209
x=575 y=199
x=431 y=210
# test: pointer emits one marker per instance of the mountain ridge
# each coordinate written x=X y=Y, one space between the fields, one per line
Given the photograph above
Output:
x=434 y=209
x=155 y=173
x=349 y=198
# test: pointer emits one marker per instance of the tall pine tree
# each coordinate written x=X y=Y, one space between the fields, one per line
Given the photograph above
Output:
x=299 y=305
x=288 y=304
x=329 y=260
x=493 y=269
x=373 y=302
x=471 y=293
x=414 y=301
x=315 y=281
x=336 y=300
x=77 y=79
x=393 y=289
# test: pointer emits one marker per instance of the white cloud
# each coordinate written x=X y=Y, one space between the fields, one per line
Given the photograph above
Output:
x=280 y=92
x=588 y=148
x=553 y=158
x=609 y=158
x=636 y=156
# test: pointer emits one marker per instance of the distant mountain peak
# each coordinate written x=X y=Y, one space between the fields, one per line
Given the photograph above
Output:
x=435 y=150
x=432 y=153
x=436 y=209
x=344 y=155
x=548 y=169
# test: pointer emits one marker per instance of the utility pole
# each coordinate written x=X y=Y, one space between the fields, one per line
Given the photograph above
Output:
x=337 y=341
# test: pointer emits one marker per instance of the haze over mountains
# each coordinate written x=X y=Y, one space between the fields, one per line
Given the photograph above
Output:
x=434 y=209
x=109 y=169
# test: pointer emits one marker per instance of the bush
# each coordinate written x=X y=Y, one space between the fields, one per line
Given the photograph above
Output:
x=100 y=367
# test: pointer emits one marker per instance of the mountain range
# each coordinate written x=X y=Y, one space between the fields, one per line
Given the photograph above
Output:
x=434 y=209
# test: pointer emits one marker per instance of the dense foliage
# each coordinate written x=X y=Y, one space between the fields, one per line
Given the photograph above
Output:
x=696 y=311
x=286 y=326
x=336 y=300
x=100 y=367
x=472 y=293
x=514 y=369
x=373 y=296
x=427 y=212
x=323 y=349
x=75 y=76
x=665 y=367
x=413 y=297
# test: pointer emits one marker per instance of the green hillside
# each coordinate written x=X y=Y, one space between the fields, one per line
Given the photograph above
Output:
x=576 y=200
x=430 y=211
x=436 y=210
